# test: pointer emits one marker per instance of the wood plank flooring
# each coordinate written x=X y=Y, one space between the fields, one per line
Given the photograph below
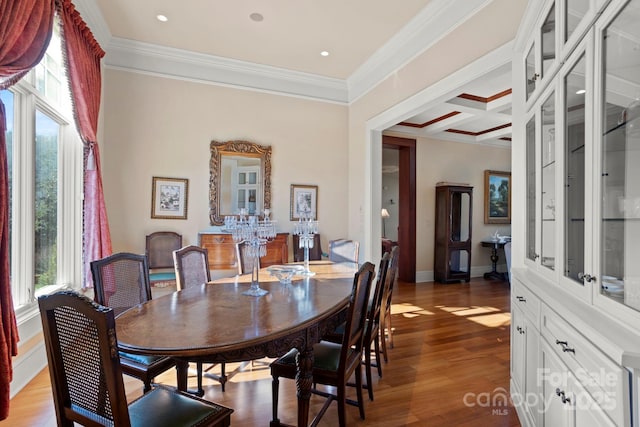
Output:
x=449 y=362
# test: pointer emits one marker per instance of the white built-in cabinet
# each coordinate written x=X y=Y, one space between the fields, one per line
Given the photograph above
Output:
x=576 y=286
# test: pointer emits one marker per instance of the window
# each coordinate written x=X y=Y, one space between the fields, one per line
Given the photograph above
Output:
x=44 y=155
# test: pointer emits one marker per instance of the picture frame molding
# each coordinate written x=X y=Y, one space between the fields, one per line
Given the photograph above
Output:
x=492 y=219
x=157 y=210
x=303 y=188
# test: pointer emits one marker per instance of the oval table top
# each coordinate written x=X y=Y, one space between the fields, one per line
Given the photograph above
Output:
x=216 y=318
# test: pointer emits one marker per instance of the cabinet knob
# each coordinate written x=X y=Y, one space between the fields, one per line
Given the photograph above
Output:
x=589 y=278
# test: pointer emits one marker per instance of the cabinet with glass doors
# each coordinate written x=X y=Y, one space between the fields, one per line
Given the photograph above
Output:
x=579 y=126
x=583 y=152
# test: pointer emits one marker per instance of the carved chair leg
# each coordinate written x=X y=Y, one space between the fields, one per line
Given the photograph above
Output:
x=223 y=376
x=200 y=391
x=275 y=386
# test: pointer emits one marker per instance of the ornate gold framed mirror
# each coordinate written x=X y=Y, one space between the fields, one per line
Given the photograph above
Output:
x=240 y=178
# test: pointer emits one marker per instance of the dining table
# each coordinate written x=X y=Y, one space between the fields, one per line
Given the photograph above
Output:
x=215 y=322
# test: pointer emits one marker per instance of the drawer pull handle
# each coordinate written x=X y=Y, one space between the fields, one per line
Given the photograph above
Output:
x=219 y=239
x=564 y=398
x=564 y=345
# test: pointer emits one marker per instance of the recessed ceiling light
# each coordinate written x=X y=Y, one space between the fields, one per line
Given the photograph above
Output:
x=581 y=91
x=162 y=18
x=257 y=17
x=324 y=53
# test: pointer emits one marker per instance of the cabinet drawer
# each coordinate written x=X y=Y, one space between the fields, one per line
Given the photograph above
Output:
x=222 y=250
x=522 y=297
x=605 y=381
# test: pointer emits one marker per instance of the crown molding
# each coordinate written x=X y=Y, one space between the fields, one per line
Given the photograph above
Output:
x=180 y=64
x=431 y=24
x=91 y=14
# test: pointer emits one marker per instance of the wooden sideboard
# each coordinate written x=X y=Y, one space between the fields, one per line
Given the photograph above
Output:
x=222 y=250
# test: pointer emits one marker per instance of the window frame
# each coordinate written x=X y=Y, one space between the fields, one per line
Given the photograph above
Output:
x=27 y=99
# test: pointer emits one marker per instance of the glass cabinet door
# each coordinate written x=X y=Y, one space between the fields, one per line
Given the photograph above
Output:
x=531 y=189
x=548 y=183
x=460 y=216
x=576 y=10
x=620 y=158
x=548 y=41
x=530 y=69
x=574 y=171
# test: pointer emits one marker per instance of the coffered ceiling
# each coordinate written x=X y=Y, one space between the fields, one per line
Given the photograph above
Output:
x=479 y=112
x=283 y=39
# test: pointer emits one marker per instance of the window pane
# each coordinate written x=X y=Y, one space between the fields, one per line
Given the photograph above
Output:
x=7 y=100
x=46 y=200
x=50 y=71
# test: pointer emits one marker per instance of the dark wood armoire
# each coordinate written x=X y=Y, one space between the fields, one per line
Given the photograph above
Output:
x=452 y=258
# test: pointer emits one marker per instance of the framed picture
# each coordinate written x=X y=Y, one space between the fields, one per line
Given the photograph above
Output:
x=304 y=198
x=497 y=197
x=169 y=198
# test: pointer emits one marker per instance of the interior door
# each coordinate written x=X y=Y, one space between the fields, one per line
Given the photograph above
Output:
x=406 y=204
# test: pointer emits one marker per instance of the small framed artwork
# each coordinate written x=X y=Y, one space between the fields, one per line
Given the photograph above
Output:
x=169 y=197
x=497 y=197
x=304 y=199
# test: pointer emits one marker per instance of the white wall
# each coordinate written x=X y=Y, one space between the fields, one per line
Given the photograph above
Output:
x=492 y=27
x=162 y=127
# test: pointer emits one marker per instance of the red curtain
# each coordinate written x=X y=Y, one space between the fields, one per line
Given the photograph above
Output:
x=83 y=55
x=25 y=32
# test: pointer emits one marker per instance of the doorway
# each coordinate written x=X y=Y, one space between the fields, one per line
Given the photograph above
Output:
x=405 y=205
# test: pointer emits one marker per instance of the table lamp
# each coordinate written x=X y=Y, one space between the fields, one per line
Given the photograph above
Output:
x=385 y=215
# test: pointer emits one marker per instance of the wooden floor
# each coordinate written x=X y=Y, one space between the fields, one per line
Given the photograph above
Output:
x=450 y=361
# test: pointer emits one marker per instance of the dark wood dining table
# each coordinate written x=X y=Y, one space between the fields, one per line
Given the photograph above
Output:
x=215 y=322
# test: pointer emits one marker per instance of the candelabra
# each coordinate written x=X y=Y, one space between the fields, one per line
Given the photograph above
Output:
x=305 y=229
x=254 y=234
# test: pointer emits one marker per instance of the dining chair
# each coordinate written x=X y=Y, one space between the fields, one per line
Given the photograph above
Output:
x=315 y=253
x=333 y=363
x=159 y=247
x=121 y=281
x=245 y=262
x=372 y=326
x=344 y=250
x=86 y=375
x=192 y=269
x=386 y=331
